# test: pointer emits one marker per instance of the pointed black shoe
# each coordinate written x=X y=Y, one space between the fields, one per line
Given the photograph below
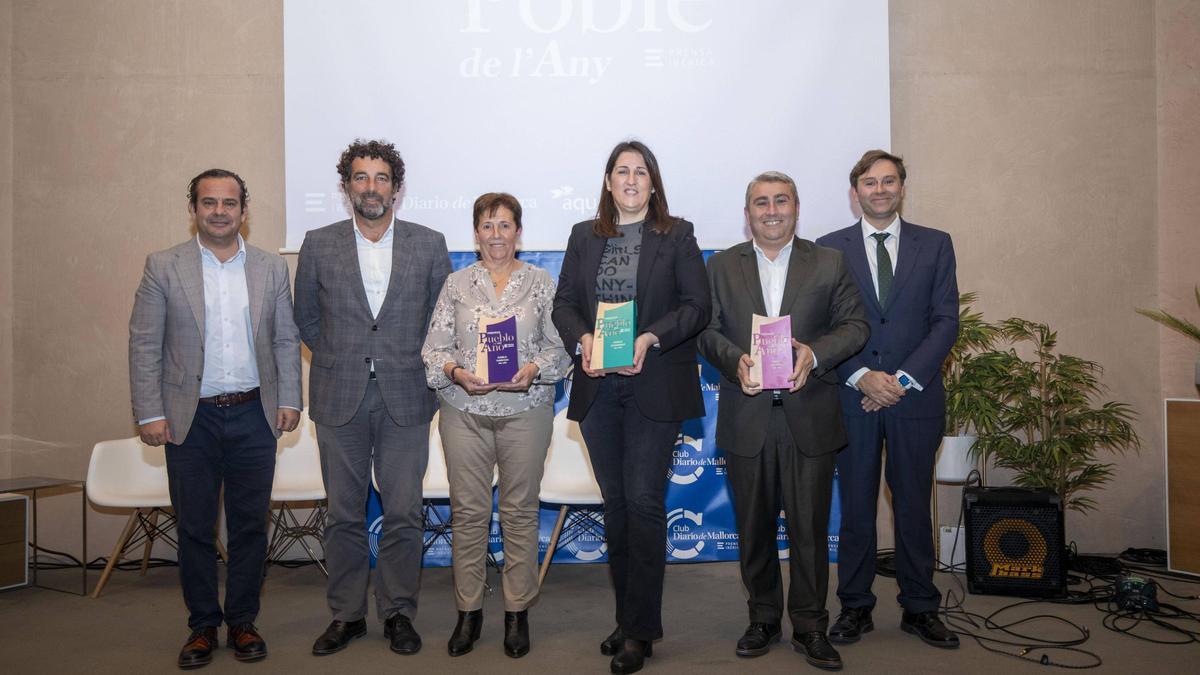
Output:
x=632 y=656
x=817 y=650
x=612 y=644
x=757 y=639
x=466 y=632
x=338 y=635
x=399 y=630
x=850 y=626
x=930 y=629
x=516 y=633
x=247 y=644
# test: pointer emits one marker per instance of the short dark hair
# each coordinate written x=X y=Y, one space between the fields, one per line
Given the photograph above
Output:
x=487 y=204
x=868 y=160
x=658 y=216
x=217 y=173
x=374 y=149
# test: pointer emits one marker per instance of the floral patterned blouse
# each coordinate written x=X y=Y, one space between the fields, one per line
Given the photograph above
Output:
x=468 y=295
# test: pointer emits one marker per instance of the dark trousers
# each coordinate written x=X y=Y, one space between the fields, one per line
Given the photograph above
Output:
x=630 y=455
x=399 y=455
x=912 y=444
x=805 y=486
x=234 y=447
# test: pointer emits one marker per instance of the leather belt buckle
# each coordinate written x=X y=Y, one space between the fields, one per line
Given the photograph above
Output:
x=230 y=400
x=777 y=397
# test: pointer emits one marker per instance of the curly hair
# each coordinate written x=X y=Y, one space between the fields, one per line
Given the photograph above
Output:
x=374 y=149
x=218 y=173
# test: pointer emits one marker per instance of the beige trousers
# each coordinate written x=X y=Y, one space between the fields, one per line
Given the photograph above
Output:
x=475 y=445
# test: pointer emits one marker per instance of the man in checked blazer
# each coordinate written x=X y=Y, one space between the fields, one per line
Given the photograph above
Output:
x=214 y=370
x=365 y=289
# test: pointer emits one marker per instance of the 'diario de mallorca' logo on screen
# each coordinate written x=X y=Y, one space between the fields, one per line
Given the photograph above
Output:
x=688 y=461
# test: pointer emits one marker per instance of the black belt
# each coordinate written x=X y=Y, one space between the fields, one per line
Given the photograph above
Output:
x=777 y=397
x=236 y=398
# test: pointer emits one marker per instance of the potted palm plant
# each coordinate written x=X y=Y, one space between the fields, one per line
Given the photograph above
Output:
x=1178 y=325
x=1051 y=430
x=970 y=405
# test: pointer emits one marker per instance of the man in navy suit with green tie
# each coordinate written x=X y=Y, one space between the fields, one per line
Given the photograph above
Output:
x=892 y=396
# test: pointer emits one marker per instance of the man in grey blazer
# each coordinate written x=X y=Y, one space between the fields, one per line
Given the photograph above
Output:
x=214 y=371
x=365 y=289
x=780 y=443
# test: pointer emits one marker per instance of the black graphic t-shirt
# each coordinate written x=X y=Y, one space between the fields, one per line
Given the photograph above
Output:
x=617 y=279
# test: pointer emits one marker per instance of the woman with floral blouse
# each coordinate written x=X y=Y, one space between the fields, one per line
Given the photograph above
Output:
x=505 y=425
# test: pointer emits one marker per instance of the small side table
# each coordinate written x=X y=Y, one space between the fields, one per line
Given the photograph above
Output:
x=32 y=484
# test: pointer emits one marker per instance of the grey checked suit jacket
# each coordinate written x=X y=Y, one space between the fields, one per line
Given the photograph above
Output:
x=827 y=315
x=335 y=322
x=166 y=336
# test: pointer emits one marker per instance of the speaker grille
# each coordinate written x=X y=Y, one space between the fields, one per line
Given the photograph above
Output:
x=1015 y=543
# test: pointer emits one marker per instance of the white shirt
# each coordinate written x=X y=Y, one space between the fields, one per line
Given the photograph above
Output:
x=772 y=277
x=892 y=245
x=375 y=264
x=230 y=365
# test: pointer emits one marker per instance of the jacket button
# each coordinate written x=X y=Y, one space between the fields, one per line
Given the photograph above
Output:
x=873 y=353
x=883 y=321
x=367 y=360
x=375 y=327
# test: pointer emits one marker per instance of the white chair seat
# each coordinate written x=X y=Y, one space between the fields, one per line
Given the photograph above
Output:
x=568 y=481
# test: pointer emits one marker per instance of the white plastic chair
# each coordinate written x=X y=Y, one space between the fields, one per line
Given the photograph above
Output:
x=297 y=479
x=127 y=474
x=568 y=481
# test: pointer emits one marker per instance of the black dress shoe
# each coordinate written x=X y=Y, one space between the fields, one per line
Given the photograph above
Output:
x=612 y=643
x=929 y=628
x=850 y=625
x=817 y=650
x=198 y=649
x=631 y=657
x=399 y=629
x=757 y=639
x=247 y=644
x=516 y=633
x=338 y=635
x=466 y=632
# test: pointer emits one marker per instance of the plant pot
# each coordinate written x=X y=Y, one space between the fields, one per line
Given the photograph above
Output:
x=954 y=460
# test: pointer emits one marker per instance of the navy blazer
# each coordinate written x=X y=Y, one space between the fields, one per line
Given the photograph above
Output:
x=919 y=325
x=673 y=302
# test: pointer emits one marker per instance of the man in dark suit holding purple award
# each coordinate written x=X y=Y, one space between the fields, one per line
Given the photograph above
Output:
x=892 y=394
x=780 y=442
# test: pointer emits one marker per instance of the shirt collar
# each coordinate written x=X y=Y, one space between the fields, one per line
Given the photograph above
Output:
x=868 y=229
x=385 y=240
x=782 y=255
x=212 y=257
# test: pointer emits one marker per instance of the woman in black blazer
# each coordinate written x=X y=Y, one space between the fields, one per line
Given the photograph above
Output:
x=634 y=250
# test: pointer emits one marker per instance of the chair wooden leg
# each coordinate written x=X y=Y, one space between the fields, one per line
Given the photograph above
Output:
x=553 y=545
x=150 y=536
x=116 y=554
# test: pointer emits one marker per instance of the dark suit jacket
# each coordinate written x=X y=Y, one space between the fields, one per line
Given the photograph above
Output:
x=827 y=315
x=335 y=322
x=916 y=330
x=166 y=336
x=672 y=302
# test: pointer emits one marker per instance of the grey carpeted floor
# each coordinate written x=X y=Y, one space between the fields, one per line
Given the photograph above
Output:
x=139 y=624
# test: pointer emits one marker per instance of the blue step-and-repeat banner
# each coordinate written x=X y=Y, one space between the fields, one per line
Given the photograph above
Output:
x=700 y=524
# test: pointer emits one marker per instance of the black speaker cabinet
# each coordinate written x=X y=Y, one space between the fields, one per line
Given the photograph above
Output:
x=1015 y=542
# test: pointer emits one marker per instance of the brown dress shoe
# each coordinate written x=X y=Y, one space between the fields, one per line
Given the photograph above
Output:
x=198 y=649
x=247 y=644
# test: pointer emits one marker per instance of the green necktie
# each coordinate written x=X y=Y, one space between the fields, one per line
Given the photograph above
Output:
x=884 y=262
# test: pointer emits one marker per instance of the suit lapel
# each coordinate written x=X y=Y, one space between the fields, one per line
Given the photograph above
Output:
x=651 y=242
x=256 y=283
x=856 y=257
x=400 y=267
x=908 y=251
x=748 y=261
x=590 y=264
x=348 y=262
x=800 y=267
x=191 y=273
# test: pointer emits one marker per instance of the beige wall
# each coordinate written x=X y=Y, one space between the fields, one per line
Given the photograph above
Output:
x=6 y=233
x=1033 y=133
